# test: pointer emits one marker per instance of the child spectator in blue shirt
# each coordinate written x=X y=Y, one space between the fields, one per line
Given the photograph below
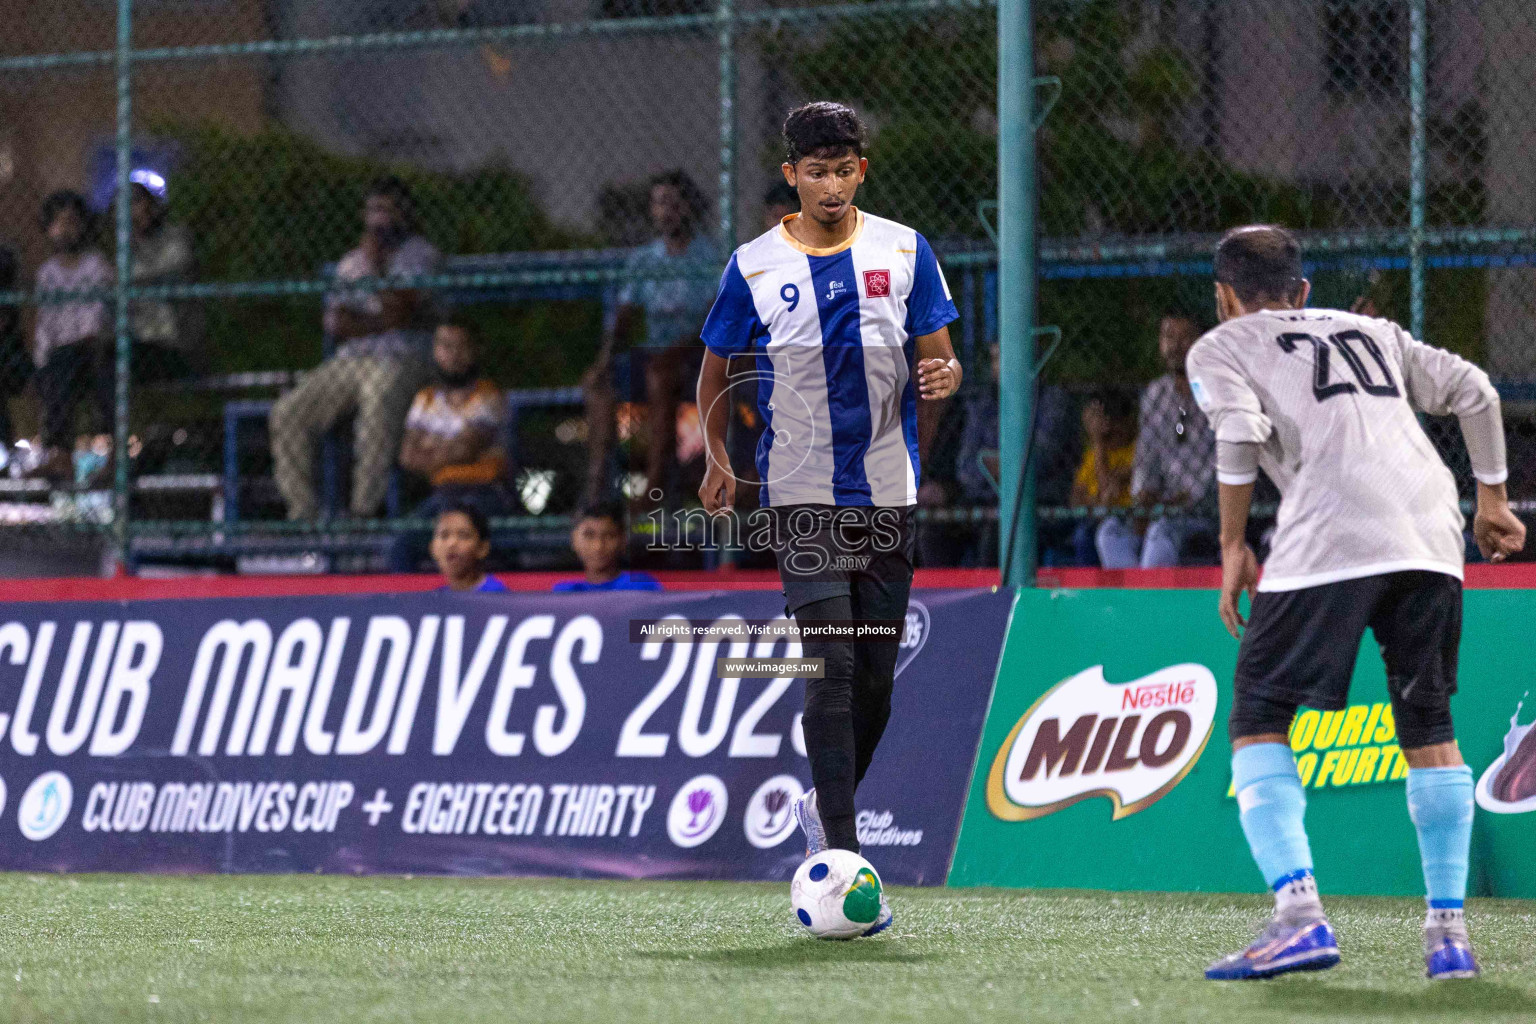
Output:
x=461 y=542
x=598 y=539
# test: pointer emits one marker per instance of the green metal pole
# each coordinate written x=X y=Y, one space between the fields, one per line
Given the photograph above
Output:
x=1016 y=281
x=120 y=301
x=727 y=16
x=726 y=13
x=1418 y=152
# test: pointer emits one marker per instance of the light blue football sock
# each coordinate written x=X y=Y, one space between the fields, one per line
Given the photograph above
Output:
x=1272 y=805
x=1440 y=804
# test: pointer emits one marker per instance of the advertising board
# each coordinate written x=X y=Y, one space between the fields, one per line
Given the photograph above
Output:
x=1105 y=761
x=462 y=734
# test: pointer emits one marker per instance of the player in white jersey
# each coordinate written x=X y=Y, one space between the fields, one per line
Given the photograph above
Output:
x=1369 y=533
x=847 y=315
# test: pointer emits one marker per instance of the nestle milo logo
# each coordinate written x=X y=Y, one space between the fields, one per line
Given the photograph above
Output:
x=1130 y=743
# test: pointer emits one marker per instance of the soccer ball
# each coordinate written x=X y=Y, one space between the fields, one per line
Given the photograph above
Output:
x=836 y=894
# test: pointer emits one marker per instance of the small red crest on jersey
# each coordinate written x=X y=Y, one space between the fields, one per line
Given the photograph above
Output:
x=877 y=284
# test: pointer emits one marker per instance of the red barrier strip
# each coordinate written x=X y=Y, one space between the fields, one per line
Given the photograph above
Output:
x=131 y=588
x=1521 y=576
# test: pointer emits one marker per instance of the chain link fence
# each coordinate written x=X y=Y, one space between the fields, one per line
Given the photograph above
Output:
x=1394 y=135
x=518 y=142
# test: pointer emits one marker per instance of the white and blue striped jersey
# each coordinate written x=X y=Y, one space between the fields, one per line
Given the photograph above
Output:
x=834 y=333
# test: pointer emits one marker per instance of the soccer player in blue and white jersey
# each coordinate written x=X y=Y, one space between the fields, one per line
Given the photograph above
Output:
x=848 y=317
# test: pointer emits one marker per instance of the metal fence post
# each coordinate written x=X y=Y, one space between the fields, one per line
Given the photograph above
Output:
x=120 y=486
x=727 y=16
x=1418 y=152
x=1016 y=283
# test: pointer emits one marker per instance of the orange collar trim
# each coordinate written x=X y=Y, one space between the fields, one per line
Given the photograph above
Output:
x=799 y=246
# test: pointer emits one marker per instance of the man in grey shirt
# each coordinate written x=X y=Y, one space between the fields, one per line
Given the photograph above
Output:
x=1175 y=464
x=379 y=367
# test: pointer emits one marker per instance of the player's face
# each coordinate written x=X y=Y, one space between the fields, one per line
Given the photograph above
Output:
x=457 y=548
x=597 y=542
x=452 y=351
x=827 y=185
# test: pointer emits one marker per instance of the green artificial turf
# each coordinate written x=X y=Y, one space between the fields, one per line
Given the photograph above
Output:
x=351 y=950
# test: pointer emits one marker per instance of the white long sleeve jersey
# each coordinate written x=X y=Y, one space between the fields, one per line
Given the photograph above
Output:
x=1331 y=399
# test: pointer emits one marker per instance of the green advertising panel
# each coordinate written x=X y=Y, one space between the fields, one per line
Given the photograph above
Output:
x=1105 y=763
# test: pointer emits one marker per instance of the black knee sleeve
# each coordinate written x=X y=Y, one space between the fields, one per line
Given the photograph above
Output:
x=1420 y=726
x=1256 y=715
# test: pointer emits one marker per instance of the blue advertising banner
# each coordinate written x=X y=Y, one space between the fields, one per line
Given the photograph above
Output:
x=459 y=734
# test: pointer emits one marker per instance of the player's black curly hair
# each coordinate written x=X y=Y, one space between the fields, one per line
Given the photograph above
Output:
x=823 y=129
x=1260 y=262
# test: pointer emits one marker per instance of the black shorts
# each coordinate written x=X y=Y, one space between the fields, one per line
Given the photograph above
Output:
x=823 y=549
x=1300 y=648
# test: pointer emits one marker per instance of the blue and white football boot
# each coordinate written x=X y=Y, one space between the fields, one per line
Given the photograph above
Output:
x=1448 y=954
x=1280 y=948
x=809 y=818
x=884 y=921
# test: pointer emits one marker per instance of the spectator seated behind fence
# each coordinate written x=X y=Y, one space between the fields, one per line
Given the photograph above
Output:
x=598 y=540
x=1104 y=475
x=962 y=471
x=461 y=543
x=71 y=338
x=15 y=362
x=454 y=438
x=167 y=343
x=1175 y=468
x=780 y=201
x=673 y=309
x=379 y=367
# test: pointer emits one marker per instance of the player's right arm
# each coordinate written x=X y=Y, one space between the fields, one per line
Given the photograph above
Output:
x=731 y=329
x=718 y=490
x=1239 y=567
x=1241 y=426
x=1442 y=383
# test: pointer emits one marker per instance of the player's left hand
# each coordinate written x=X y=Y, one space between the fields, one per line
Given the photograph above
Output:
x=935 y=379
x=1498 y=531
x=1239 y=573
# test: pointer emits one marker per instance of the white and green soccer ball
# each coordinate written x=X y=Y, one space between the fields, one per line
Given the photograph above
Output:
x=836 y=894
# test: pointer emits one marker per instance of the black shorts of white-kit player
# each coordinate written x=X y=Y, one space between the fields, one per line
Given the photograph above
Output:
x=1301 y=645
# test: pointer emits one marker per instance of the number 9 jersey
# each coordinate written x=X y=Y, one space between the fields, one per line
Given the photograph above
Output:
x=834 y=333
x=1331 y=399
